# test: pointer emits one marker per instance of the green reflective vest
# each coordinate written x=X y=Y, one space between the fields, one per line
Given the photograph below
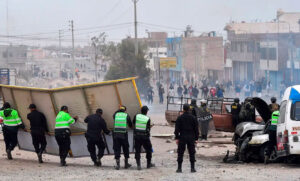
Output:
x=12 y=120
x=141 y=122
x=63 y=120
x=120 y=123
x=275 y=117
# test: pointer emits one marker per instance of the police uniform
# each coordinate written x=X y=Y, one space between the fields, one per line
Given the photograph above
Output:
x=235 y=111
x=205 y=117
x=272 y=131
x=95 y=125
x=120 y=136
x=38 y=127
x=186 y=131
x=62 y=134
x=142 y=128
x=11 y=123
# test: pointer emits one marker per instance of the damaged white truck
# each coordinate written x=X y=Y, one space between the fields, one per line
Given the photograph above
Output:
x=251 y=139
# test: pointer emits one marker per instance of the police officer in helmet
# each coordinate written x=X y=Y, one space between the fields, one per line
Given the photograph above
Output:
x=142 y=126
x=186 y=135
x=235 y=111
x=120 y=136
x=274 y=106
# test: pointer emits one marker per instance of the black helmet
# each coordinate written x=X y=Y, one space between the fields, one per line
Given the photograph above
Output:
x=32 y=106
x=194 y=102
x=186 y=107
x=273 y=99
x=144 y=109
x=6 y=105
x=236 y=100
x=123 y=108
x=64 y=108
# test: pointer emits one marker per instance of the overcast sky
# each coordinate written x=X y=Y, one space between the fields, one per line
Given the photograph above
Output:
x=91 y=16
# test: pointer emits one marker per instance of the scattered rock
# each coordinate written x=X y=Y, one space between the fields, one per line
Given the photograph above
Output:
x=168 y=141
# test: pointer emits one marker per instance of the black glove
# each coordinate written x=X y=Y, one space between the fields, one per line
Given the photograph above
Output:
x=22 y=126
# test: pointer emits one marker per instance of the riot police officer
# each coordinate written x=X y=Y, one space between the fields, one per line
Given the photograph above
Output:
x=142 y=126
x=271 y=130
x=194 y=109
x=120 y=136
x=274 y=106
x=235 y=111
x=186 y=134
x=95 y=125
x=62 y=133
x=247 y=113
x=11 y=124
x=204 y=118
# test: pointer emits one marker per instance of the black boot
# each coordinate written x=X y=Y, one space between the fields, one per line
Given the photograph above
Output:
x=40 y=158
x=96 y=164
x=149 y=164
x=179 y=170
x=117 y=167
x=138 y=163
x=99 y=161
x=193 y=170
x=63 y=163
x=8 y=151
x=127 y=165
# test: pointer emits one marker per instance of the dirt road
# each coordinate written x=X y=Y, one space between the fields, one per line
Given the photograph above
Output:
x=24 y=166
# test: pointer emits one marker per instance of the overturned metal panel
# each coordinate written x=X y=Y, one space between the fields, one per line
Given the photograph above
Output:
x=82 y=100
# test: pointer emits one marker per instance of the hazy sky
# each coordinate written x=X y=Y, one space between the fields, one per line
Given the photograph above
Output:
x=91 y=16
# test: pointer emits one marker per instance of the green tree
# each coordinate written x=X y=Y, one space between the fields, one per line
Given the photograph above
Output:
x=124 y=63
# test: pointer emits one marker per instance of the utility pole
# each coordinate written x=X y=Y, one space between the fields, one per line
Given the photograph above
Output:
x=158 y=60
x=268 y=61
x=73 y=51
x=7 y=32
x=135 y=28
x=59 y=41
x=60 y=51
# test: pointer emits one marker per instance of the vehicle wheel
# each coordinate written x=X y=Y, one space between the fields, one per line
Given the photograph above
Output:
x=262 y=152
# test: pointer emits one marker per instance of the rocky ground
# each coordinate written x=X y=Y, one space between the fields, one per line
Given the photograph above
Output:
x=209 y=164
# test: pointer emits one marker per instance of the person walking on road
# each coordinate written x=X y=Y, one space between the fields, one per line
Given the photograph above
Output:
x=11 y=124
x=186 y=134
x=161 y=92
x=120 y=136
x=95 y=125
x=142 y=126
x=38 y=128
x=63 y=133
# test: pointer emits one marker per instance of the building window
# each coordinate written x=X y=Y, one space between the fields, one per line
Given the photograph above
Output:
x=234 y=46
x=250 y=47
x=268 y=53
x=4 y=54
x=258 y=47
x=241 y=47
